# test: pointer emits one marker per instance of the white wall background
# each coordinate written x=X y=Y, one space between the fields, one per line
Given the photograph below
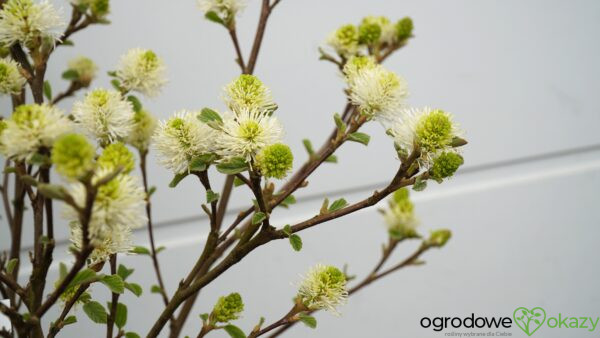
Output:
x=522 y=79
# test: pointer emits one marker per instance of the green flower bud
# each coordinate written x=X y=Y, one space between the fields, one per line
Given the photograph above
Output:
x=445 y=165
x=345 y=40
x=435 y=130
x=404 y=28
x=73 y=155
x=228 y=308
x=400 y=217
x=85 y=68
x=117 y=155
x=400 y=195
x=368 y=33
x=248 y=91
x=275 y=160
x=439 y=238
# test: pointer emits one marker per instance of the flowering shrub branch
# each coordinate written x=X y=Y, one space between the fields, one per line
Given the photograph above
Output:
x=103 y=201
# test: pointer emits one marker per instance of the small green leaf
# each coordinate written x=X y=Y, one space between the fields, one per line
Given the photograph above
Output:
x=160 y=248
x=116 y=84
x=420 y=184
x=324 y=207
x=48 y=90
x=70 y=320
x=155 y=289
x=124 y=272
x=360 y=138
x=214 y=17
x=201 y=162
x=112 y=73
x=341 y=125
x=237 y=182
x=151 y=191
x=176 y=179
x=82 y=277
x=10 y=266
x=235 y=166
x=204 y=316
x=308 y=146
x=136 y=289
x=135 y=102
x=121 y=315
x=96 y=312
x=67 y=43
x=211 y=196
x=258 y=218
x=114 y=283
x=132 y=335
x=296 y=242
x=309 y=321
x=140 y=250
x=287 y=230
x=331 y=159
x=234 y=331
x=70 y=74
x=288 y=200
x=337 y=205
x=210 y=117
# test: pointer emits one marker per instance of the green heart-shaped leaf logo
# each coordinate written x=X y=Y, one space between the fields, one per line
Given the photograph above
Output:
x=529 y=320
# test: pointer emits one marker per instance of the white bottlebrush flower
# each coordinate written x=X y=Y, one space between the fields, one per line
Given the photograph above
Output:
x=11 y=80
x=118 y=208
x=29 y=23
x=143 y=71
x=105 y=114
x=118 y=241
x=144 y=125
x=377 y=92
x=31 y=128
x=400 y=216
x=225 y=9
x=246 y=133
x=248 y=92
x=181 y=138
x=432 y=130
x=323 y=287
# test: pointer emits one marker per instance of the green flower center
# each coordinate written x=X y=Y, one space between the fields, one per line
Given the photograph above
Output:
x=434 y=130
x=250 y=130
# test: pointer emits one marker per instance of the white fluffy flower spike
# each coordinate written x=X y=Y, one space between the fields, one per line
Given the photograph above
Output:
x=29 y=23
x=378 y=93
x=105 y=114
x=432 y=130
x=32 y=127
x=323 y=287
x=11 y=80
x=143 y=71
x=118 y=208
x=181 y=138
x=246 y=133
x=248 y=92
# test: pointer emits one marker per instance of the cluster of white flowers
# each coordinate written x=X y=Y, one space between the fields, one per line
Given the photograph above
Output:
x=11 y=80
x=323 y=287
x=181 y=138
x=31 y=128
x=29 y=23
x=118 y=208
x=141 y=70
x=105 y=115
x=242 y=133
